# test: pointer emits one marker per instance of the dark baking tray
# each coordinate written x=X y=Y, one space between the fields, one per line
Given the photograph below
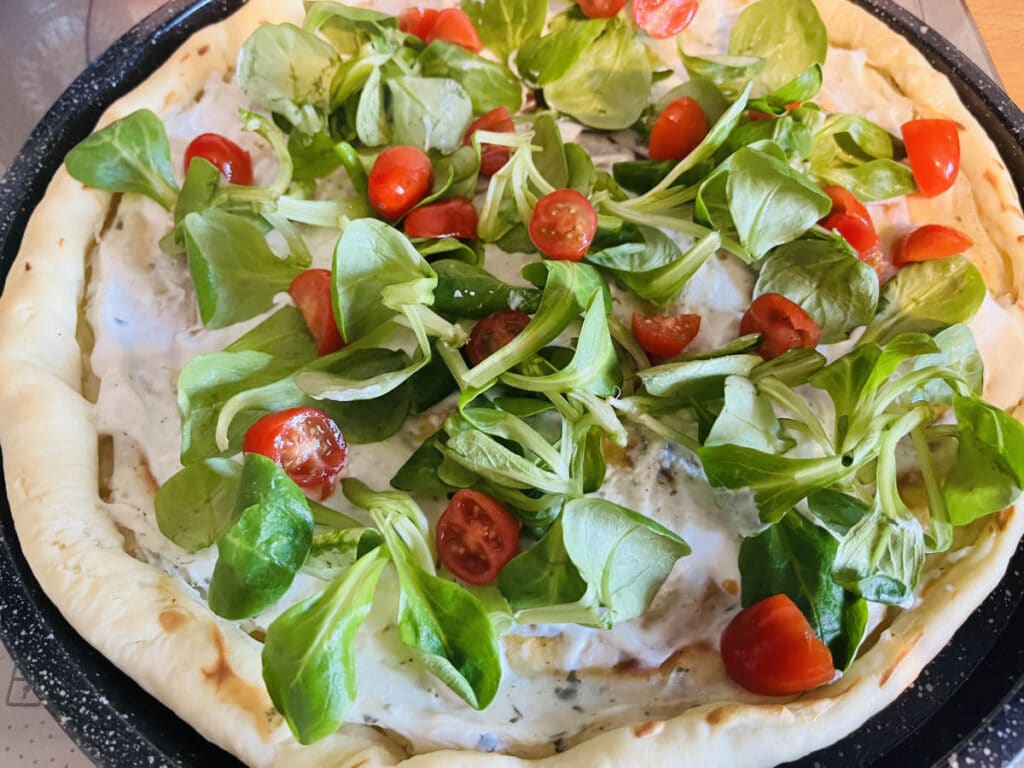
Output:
x=966 y=703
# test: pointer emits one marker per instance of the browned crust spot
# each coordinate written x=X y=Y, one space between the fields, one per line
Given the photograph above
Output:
x=653 y=728
x=203 y=50
x=1004 y=517
x=903 y=653
x=174 y=619
x=28 y=267
x=247 y=697
x=717 y=716
x=60 y=242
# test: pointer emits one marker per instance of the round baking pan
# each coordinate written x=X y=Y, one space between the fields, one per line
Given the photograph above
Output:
x=965 y=703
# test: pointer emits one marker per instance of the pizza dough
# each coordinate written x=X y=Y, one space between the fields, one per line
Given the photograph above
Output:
x=208 y=670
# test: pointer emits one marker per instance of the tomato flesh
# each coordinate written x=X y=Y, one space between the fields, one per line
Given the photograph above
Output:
x=493 y=332
x=492 y=156
x=601 y=9
x=304 y=442
x=850 y=219
x=418 y=20
x=844 y=201
x=664 y=336
x=680 y=127
x=932 y=241
x=933 y=150
x=664 y=18
x=782 y=324
x=453 y=217
x=453 y=26
x=476 y=537
x=311 y=292
x=234 y=162
x=400 y=178
x=563 y=225
x=769 y=648
x=858 y=232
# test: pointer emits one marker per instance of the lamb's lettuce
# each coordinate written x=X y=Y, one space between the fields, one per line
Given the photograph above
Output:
x=309 y=651
x=289 y=71
x=131 y=155
x=827 y=279
x=258 y=557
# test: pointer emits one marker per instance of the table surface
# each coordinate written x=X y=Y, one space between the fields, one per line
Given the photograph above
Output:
x=1001 y=23
x=44 y=44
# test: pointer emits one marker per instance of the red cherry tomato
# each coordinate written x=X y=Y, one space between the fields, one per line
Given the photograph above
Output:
x=858 y=232
x=233 y=161
x=492 y=156
x=680 y=127
x=664 y=18
x=932 y=241
x=601 y=9
x=769 y=648
x=418 y=20
x=933 y=149
x=401 y=176
x=844 y=201
x=476 y=537
x=452 y=217
x=454 y=26
x=304 y=442
x=782 y=324
x=311 y=292
x=563 y=225
x=664 y=336
x=493 y=332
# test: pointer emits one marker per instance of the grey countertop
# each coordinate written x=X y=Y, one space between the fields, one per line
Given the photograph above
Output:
x=44 y=44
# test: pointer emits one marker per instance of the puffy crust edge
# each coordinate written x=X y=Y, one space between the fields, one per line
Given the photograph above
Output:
x=208 y=671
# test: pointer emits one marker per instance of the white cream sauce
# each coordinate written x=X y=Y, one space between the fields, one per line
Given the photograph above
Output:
x=557 y=686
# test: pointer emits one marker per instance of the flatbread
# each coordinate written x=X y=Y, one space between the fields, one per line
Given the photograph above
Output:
x=208 y=671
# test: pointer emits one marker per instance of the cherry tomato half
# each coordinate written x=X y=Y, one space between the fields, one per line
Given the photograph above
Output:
x=680 y=127
x=665 y=336
x=858 y=232
x=933 y=149
x=492 y=156
x=452 y=217
x=311 y=292
x=476 y=537
x=454 y=26
x=418 y=20
x=601 y=9
x=493 y=332
x=932 y=241
x=234 y=162
x=664 y=18
x=782 y=324
x=769 y=648
x=401 y=176
x=563 y=225
x=844 y=201
x=304 y=442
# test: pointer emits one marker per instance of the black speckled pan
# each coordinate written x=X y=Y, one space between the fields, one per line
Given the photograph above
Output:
x=966 y=702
